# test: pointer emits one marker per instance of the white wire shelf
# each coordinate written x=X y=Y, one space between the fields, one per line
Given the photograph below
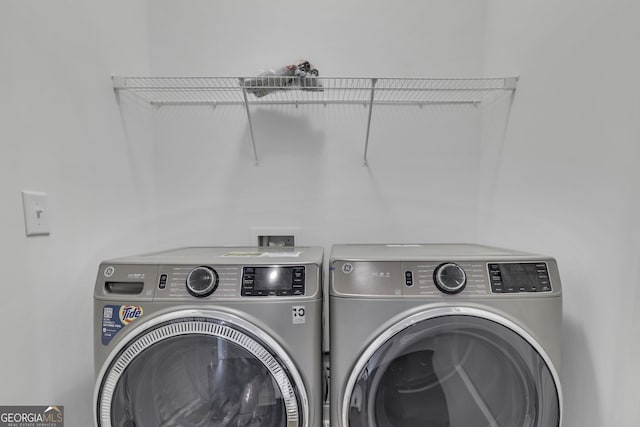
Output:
x=279 y=90
x=310 y=90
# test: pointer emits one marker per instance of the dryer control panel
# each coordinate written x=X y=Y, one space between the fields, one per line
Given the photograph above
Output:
x=445 y=279
x=513 y=277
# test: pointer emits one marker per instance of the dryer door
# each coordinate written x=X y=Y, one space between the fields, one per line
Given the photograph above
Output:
x=453 y=368
x=197 y=368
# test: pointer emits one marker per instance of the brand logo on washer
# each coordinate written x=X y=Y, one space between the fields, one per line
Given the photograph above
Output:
x=129 y=313
x=108 y=272
x=347 y=268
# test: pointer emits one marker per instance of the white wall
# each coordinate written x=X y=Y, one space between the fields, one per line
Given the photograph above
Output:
x=567 y=182
x=61 y=133
x=310 y=174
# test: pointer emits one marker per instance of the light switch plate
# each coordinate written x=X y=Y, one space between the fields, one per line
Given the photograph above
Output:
x=36 y=215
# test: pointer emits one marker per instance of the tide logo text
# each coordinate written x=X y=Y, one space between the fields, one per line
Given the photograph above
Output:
x=129 y=313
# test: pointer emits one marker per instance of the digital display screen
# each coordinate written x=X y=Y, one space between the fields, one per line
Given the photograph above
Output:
x=519 y=275
x=273 y=279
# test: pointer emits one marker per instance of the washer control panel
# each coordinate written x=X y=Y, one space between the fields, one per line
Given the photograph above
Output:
x=273 y=281
x=514 y=277
x=209 y=274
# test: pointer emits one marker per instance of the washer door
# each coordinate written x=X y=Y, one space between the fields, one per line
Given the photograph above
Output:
x=196 y=368
x=453 y=368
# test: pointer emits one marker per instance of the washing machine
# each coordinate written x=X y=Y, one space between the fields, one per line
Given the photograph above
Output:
x=210 y=337
x=444 y=335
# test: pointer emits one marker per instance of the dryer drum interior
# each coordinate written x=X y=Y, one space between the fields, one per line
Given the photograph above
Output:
x=453 y=371
x=197 y=372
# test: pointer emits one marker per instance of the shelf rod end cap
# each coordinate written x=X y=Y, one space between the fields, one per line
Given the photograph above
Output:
x=510 y=83
x=119 y=82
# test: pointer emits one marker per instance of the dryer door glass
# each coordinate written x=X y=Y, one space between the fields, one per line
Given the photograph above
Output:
x=454 y=371
x=197 y=373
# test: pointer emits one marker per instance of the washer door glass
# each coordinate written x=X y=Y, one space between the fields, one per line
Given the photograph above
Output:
x=197 y=373
x=454 y=371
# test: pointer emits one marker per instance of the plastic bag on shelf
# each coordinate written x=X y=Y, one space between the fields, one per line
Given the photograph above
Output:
x=301 y=75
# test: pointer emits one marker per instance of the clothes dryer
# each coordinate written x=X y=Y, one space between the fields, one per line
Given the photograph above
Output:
x=210 y=337
x=444 y=335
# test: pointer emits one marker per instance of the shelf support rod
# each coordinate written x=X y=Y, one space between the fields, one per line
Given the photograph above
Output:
x=246 y=106
x=366 y=141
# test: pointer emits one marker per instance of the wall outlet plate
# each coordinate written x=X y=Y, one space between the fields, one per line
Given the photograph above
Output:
x=36 y=215
x=275 y=236
x=279 y=240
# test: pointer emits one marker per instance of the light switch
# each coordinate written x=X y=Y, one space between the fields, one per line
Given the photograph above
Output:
x=36 y=216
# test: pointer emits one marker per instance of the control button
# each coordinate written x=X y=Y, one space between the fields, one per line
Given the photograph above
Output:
x=497 y=289
x=510 y=290
x=546 y=288
x=533 y=289
x=163 y=281
x=450 y=278
x=248 y=277
x=522 y=289
x=298 y=292
x=298 y=276
x=202 y=281
x=494 y=267
x=544 y=283
x=408 y=278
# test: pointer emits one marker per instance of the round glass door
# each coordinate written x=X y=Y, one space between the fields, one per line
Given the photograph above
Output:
x=453 y=371
x=197 y=372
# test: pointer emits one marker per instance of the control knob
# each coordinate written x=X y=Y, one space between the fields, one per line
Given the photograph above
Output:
x=202 y=281
x=450 y=278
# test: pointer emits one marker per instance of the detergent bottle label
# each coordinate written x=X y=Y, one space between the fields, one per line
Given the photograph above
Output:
x=116 y=317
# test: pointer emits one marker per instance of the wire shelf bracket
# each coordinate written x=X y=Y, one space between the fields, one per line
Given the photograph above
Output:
x=246 y=105
x=366 y=140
